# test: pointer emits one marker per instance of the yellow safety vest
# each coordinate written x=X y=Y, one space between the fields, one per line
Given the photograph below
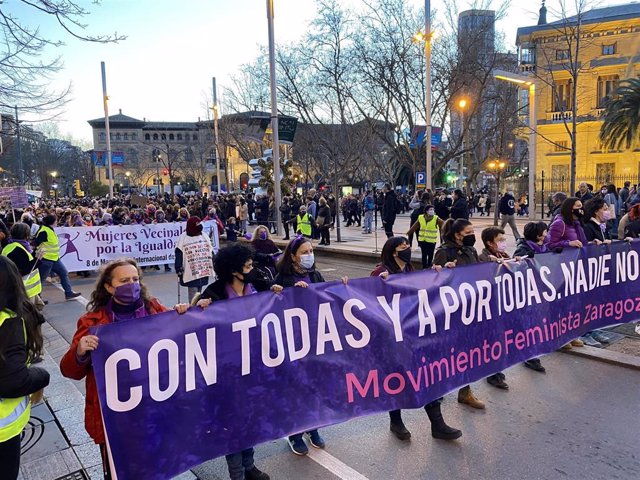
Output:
x=428 y=230
x=51 y=246
x=14 y=412
x=304 y=224
x=31 y=281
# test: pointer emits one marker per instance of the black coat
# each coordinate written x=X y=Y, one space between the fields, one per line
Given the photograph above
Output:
x=289 y=280
x=593 y=232
x=389 y=207
x=16 y=379
x=460 y=209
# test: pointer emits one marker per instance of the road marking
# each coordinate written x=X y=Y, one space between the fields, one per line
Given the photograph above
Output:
x=328 y=269
x=83 y=301
x=335 y=466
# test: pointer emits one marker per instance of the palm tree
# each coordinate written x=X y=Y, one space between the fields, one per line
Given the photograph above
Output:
x=622 y=116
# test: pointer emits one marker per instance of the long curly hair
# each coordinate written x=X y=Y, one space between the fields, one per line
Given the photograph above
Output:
x=100 y=296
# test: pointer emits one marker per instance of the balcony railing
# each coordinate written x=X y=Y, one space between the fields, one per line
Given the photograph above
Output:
x=559 y=116
x=527 y=68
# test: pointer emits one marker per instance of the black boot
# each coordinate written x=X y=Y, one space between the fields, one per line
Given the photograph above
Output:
x=255 y=474
x=399 y=430
x=439 y=429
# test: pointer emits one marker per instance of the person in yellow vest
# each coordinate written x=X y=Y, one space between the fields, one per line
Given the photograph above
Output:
x=428 y=230
x=47 y=241
x=20 y=384
x=19 y=251
x=304 y=223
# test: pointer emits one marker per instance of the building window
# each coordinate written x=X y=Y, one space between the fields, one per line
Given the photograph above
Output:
x=118 y=137
x=561 y=96
x=609 y=49
x=147 y=136
x=155 y=136
x=606 y=86
x=171 y=137
x=560 y=146
x=605 y=173
x=163 y=136
x=186 y=137
x=195 y=137
x=103 y=137
x=134 y=137
x=188 y=155
x=527 y=56
x=126 y=137
x=179 y=137
x=562 y=54
x=132 y=155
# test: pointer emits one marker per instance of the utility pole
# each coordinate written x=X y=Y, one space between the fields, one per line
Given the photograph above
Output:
x=427 y=134
x=274 y=118
x=105 y=100
x=215 y=133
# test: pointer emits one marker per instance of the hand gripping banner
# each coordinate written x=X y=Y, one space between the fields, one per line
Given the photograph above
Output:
x=177 y=390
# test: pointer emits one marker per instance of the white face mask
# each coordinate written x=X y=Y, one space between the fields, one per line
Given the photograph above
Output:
x=307 y=261
x=502 y=246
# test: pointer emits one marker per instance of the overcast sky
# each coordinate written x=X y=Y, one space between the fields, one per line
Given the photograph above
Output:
x=163 y=70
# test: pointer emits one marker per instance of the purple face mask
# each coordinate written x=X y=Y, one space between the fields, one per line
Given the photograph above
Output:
x=127 y=294
x=262 y=235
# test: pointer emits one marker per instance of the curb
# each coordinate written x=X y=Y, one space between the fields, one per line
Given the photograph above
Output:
x=607 y=356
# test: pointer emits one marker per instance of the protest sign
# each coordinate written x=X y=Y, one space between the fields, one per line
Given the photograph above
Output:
x=177 y=390
x=87 y=248
x=139 y=200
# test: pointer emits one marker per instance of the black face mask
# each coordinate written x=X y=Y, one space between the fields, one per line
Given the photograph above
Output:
x=469 y=240
x=250 y=277
x=405 y=255
x=578 y=212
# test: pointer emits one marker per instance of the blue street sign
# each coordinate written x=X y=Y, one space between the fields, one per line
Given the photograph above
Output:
x=421 y=178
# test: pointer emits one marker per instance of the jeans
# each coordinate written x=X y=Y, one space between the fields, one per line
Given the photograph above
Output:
x=240 y=462
x=368 y=221
x=511 y=220
x=244 y=225
x=57 y=267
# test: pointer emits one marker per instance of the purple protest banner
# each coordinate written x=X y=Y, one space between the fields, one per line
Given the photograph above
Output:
x=177 y=390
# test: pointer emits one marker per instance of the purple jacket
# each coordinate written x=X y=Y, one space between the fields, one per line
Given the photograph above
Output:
x=561 y=233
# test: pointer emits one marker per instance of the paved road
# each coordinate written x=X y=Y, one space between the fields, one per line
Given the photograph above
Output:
x=579 y=421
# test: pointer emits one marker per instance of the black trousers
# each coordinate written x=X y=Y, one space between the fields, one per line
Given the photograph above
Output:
x=396 y=415
x=427 y=249
x=325 y=235
x=285 y=224
x=388 y=229
x=10 y=458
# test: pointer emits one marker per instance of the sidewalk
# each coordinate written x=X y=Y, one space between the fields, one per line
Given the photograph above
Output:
x=55 y=444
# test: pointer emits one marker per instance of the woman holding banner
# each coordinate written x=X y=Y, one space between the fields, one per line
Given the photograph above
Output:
x=20 y=385
x=396 y=258
x=119 y=295
x=297 y=268
x=458 y=249
x=566 y=231
x=234 y=267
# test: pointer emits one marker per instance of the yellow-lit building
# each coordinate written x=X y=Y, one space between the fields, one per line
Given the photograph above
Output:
x=609 y=52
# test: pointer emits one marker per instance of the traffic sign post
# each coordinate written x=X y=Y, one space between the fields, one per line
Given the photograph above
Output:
x=421 y=179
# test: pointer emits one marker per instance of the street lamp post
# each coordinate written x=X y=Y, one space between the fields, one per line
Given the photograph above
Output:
x=524 y=81
x=128 y=174
x=463 y=105
x=496 y=168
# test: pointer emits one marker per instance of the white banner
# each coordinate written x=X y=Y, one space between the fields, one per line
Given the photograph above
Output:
x=87 y=248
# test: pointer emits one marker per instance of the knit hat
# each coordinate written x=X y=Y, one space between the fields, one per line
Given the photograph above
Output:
x=194 y=227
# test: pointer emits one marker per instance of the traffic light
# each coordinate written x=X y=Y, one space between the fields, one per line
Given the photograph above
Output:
x=165 y=172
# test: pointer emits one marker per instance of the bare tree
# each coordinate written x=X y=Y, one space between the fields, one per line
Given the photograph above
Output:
x=560 y=66
x=24 y=76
